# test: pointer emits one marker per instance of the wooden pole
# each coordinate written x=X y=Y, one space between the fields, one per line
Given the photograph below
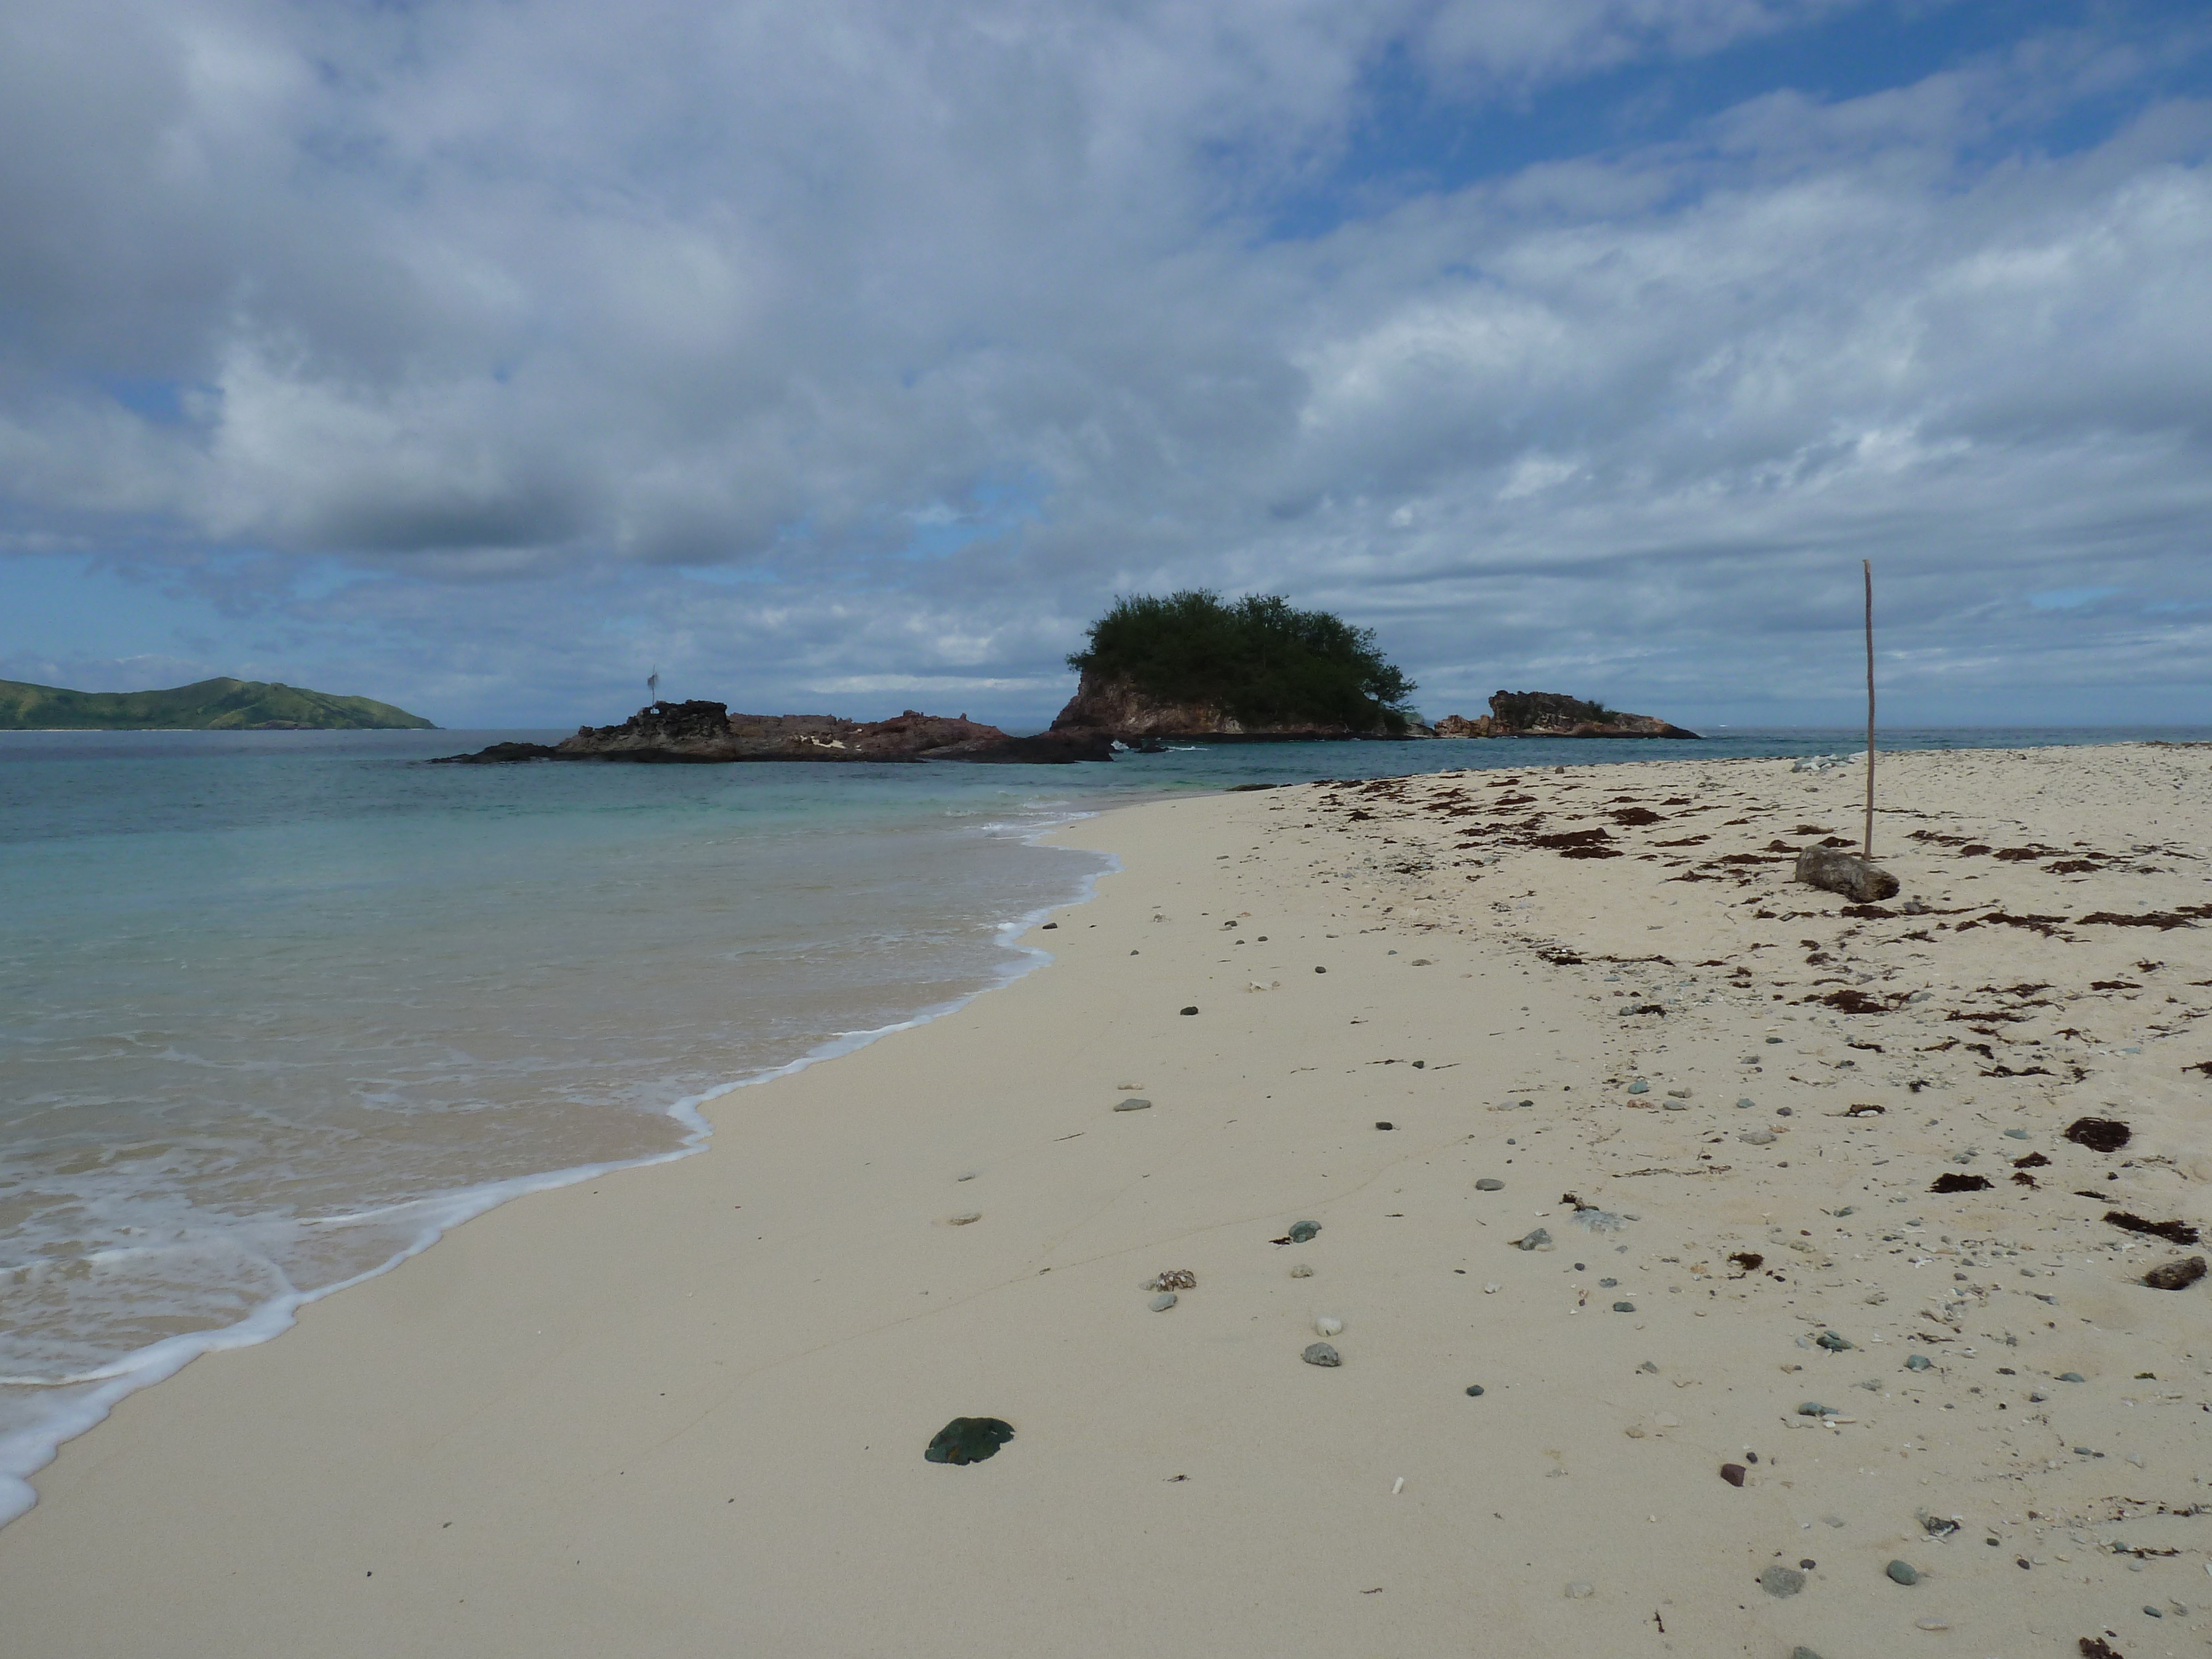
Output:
x=1866 y=844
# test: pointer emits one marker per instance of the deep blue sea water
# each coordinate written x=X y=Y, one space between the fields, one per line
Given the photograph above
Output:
x=277 y=1008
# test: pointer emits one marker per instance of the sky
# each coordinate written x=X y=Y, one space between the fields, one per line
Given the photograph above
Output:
x=850 y=356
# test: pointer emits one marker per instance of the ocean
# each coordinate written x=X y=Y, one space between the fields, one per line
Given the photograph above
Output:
x=277 y=1009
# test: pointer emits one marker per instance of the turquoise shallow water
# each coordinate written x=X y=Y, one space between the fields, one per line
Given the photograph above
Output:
x=278 y=1008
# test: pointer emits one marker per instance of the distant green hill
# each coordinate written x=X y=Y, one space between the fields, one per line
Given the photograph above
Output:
x=223 y=705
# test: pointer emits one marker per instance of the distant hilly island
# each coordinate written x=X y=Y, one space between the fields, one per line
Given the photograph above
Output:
x=217 y=705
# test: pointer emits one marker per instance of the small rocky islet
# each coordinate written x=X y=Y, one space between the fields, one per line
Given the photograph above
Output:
x=1190 y=666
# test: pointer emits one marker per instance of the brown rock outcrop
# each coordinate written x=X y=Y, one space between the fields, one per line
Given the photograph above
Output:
x=1115 y=709
x=1554 y=715
x=700 y=733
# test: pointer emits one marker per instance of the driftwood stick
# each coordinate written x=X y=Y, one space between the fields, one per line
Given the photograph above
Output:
x=1866 y=844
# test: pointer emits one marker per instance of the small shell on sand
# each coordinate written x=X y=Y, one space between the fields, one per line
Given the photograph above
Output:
x=1172 y=1279
x=963 y=1218
x=1162 y=1302
x=1325 y=1325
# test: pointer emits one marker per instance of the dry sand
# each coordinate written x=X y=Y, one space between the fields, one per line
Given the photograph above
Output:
x=681 y=1410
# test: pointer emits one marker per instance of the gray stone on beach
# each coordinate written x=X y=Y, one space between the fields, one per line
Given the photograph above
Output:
x=1781 y=1581
x=1835 y=871
x=1676 y=1105
x=1918 y=1361
x=1490 y=1184
x=1804 y=1653
x=1133 y=1104
x=1533 y=1240
x=1901 y=1572
x=1746 y=1101
x=1639 y=1087
x=1757 y=1136
x=1162 y=1302
x=1623 y=1307
x=1320 y=1354
x=1302 y=1230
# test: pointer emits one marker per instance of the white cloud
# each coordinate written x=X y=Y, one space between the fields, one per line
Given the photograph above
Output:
x=688 y=338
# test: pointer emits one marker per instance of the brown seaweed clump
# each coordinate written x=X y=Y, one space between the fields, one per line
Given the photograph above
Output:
x=2099 y=1134
x=1960 y=1183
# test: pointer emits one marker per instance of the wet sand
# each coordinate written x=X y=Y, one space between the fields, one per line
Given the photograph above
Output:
x=682 y=1410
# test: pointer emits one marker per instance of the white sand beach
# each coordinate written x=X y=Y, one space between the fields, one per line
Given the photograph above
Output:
x=681 y=1410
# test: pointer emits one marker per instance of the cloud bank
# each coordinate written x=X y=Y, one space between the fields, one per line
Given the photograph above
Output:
x=852 y=355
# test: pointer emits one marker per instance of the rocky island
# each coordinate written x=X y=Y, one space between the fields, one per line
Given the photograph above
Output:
x=216 y=705
x=1195 y=666
x=1553 y=714
x=700 y=732
x=1191 y=666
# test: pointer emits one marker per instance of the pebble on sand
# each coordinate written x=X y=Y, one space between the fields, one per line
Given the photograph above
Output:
x=963 y=1218
x=1191 y=1009
x=969 y=1440
x=1534 y=1240
x=1162 y=1302
x=1302 y=1231
x=1903 y=1572
x=1623 y=1307
x=1474 y=1390
x=1832 y=1342
x=1918 y=1361
x=1490 y=1184
x=2175 y=1275
x=1778 y=1580
x=1734 y=1474
x=1320 y=1354
x=1133 y=1104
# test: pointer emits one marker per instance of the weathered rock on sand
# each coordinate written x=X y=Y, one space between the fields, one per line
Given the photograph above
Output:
x=700 y=733
x=1833 y=870
x=1554 y=715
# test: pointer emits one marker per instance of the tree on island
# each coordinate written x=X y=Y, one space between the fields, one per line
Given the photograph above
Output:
x=1259 y=659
